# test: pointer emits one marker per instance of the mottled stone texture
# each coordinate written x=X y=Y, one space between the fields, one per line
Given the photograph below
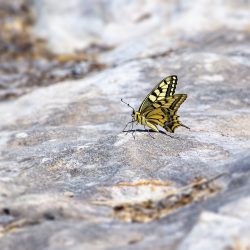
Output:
x=69 y=179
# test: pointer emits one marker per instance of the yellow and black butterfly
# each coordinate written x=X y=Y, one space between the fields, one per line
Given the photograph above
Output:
x=160 y=107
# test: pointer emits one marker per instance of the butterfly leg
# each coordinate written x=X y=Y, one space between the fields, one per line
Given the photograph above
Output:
x=148 y=132
x=133 y=132
x=126 y=126
x=131 y=128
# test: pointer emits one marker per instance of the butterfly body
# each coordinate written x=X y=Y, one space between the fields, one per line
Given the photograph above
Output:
x=160 y=107
x=141 y=119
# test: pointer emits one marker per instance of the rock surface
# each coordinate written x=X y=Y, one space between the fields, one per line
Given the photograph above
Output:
x=70 y=179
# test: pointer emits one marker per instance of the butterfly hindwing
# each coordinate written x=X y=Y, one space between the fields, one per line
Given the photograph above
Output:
x=169 y=121
x=165 y=115
x=162 y=90
x=172 y=122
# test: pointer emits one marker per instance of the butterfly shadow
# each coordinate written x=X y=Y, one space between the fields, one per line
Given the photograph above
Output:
x=133 y=131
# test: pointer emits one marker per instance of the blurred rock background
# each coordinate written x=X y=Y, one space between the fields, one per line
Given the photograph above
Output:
x=69 y=179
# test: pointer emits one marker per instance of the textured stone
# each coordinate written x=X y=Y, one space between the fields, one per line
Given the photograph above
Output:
x=228 y=229
x=66 y=169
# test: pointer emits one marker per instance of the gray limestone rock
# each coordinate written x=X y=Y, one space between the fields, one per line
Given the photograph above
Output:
x=70 y=179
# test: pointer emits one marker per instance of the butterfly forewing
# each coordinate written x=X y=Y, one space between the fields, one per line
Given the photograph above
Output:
x=162 y=90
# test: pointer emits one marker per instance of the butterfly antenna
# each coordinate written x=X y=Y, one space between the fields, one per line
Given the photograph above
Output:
x=128 y=105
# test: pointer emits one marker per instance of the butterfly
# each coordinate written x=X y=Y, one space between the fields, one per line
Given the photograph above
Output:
x=160 y=107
